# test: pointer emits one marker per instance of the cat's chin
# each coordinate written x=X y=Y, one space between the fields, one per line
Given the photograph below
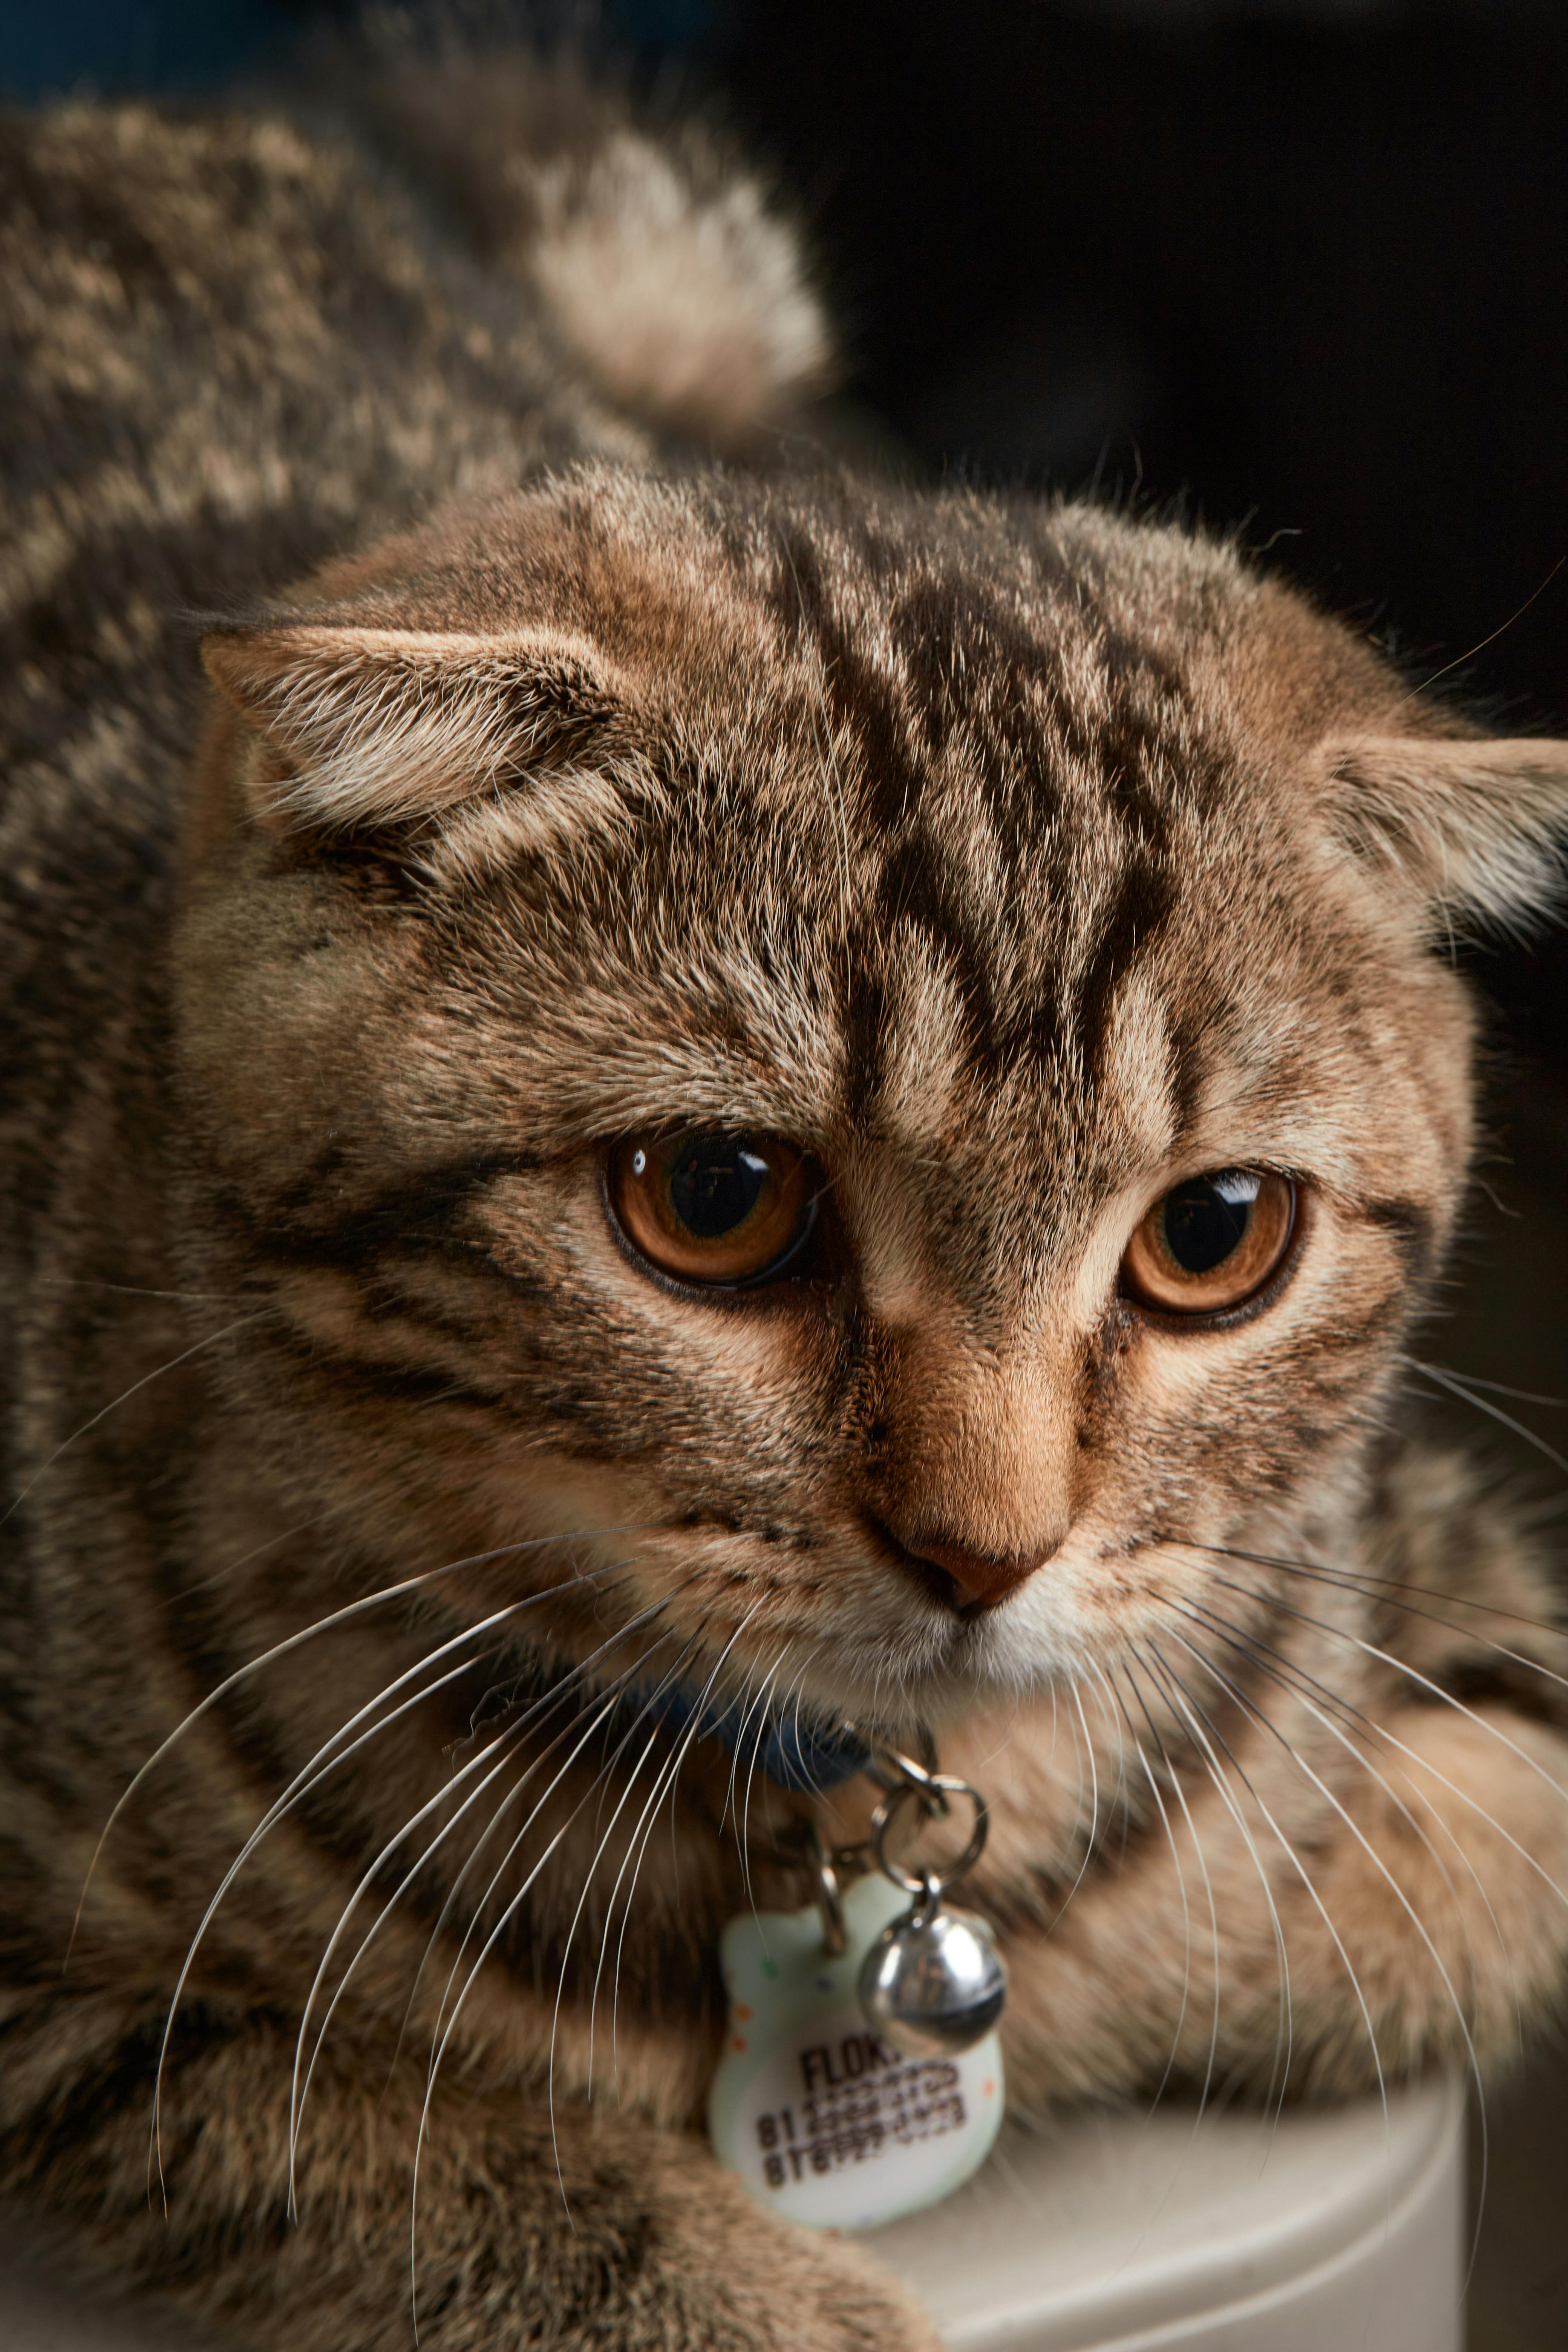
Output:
x=940 y=1677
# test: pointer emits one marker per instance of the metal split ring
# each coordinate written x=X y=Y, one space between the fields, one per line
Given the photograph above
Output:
x=890 y=1768
x=933 y=1790
x=823 y=1868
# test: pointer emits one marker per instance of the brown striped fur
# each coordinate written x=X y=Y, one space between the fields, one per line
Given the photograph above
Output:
x=1016 y=859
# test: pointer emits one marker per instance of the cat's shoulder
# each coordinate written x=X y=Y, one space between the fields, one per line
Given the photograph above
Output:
x=1460 y=1570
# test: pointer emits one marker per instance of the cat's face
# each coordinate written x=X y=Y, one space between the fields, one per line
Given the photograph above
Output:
x=877 y=1064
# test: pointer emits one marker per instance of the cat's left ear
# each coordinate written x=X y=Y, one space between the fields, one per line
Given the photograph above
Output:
x=365 y=728
x=1471 y=827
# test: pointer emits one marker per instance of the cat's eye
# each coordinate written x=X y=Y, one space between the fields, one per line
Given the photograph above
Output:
x=1211 y=1243
x=708 y=1207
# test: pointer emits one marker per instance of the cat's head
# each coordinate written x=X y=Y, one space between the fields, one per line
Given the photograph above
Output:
x=885 y=1069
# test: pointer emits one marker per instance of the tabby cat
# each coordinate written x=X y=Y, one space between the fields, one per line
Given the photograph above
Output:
x=649 y=1080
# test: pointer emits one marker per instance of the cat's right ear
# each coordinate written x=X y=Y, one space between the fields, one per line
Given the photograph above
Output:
x=1469 y=828
x=355 y=730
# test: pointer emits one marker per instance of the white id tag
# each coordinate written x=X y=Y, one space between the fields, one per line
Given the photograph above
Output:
x=825 y=2121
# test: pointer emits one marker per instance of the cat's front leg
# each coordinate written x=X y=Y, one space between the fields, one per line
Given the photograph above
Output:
x=1318 y=1920
x=1450 y=1897
x=593 y=2229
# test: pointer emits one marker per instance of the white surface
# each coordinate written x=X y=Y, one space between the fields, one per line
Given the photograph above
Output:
x=1137 y=2231
x=1126 y=2233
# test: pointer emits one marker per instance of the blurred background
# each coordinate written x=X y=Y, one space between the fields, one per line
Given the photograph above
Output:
x=1296 y=267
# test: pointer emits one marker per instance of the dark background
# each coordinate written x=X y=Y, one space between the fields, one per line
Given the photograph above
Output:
x=1298 y=265
x=1302 y=269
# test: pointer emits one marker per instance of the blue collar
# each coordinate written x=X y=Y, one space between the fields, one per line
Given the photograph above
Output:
x=805 y=1755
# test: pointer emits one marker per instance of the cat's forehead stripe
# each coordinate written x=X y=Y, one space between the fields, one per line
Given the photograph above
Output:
x=1021 y=784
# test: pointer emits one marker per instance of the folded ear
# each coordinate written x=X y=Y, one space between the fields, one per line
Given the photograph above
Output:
x=365 y=726
x=1474 y=827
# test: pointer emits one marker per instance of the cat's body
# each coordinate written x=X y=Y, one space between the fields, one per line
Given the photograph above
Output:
x=1018 y=864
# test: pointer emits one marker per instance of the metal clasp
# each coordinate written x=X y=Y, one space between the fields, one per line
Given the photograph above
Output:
x=829 y=1893
x=902 y=1778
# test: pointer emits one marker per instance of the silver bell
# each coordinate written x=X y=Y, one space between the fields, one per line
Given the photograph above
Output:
x=933 y=1984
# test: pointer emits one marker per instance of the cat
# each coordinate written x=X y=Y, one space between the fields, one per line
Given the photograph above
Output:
x=655 y=1080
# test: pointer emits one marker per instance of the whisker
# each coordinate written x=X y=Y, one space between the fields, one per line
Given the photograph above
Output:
x=1088 y=1853
x=602 y=1707
x=1456 y=1387
x=258 y=1552
x=1401 y=1665
x=638 y=1846
x=1496 y=1387
x=1291 y=1676
x=1397 y=1891
x=1363 y=1580
x=1284 y=2042
x=508 y=1914
x=308 y=1634
x=239 y=1324
x=1181 y=1878
x=587 y=1882
x=1186 y=1700
x=648 y=1749
x=310 y=1777
x=743 y=1832
x=1119 y=1801
x=550 y=1698
x=1464 y=1796
x=757 y=1746
x=1286 y=2009
x=1181 y=1796
x=644 y=1714
x=500 y=1750
x=496 y=1755
x=1294 y=1678
x=647 y=1709
x=753 y=1706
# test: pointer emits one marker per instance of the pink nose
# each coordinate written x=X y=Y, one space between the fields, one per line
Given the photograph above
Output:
x=969 y=1582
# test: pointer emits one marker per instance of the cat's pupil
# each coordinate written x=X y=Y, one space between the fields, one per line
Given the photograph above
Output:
x=1206 y=1219
x=714 y=1185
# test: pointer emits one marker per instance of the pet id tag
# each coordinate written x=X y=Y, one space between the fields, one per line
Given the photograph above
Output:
x=861 y=2078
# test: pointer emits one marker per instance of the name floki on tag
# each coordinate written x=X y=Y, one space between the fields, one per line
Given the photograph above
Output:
x=825 y=2121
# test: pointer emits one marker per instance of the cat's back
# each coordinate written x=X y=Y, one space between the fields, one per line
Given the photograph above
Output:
x=232 y=350
x=225 y=355
x=237 y=342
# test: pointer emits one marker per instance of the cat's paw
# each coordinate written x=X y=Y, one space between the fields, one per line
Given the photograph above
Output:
x=656 y=2247
x=787 y=2289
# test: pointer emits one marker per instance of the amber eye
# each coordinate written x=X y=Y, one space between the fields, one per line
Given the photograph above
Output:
x=707 y=1207
x=1211 y=1243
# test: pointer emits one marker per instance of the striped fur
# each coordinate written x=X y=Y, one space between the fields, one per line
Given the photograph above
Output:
x=1018 y=860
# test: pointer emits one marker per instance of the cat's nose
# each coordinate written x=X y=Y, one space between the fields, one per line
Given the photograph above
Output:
x=969 y=1582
